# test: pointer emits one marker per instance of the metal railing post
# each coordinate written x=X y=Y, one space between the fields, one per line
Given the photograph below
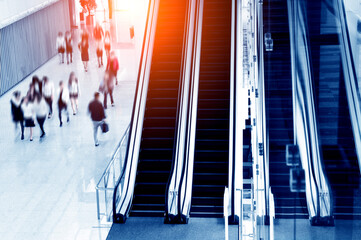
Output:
x=240 y=222
x=98 y=210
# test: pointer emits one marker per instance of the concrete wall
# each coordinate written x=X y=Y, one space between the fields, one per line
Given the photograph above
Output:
x=28 y=43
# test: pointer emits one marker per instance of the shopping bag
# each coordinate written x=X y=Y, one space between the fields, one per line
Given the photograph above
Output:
x=105 y=127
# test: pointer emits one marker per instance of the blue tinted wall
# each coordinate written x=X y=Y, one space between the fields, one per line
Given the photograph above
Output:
x=28 y=43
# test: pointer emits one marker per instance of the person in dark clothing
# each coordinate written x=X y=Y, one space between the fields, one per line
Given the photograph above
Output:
x=108 y=89
x=97 y=115
x=17 y=113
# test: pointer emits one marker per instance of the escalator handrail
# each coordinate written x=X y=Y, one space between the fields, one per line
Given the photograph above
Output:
x=294 y=7
x=351 y=81
x=262 y=94
x=151 y=20
x=187 y=168
x=233 y=108
x=181 y=88
x=315 y=166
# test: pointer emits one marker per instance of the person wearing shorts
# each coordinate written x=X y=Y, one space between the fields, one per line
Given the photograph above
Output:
x=60 y=46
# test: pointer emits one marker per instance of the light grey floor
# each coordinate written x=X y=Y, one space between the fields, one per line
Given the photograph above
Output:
x=48 y=186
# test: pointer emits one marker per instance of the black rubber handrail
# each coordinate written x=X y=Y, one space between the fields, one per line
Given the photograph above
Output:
x=174 y=167
x=184 y=173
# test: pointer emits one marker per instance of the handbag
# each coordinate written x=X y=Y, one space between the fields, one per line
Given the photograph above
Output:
x=105 y=127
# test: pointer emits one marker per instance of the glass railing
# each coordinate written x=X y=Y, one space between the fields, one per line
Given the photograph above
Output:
x=349 y=16
x=107 y=183
x=123 y=192
x=306 y=131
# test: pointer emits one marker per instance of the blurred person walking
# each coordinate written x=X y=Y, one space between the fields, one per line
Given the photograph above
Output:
x=107 y=42
x=98 y=33
x=60 y=46
x=17 y=112
x=100 y=55
x=38 y=86
x=31 y=92
x=28 y=110
x=84 y=49
x=97 y=115
x=41 y=111
x=63 y=102
x=74 y=92
x=69 y=47
x=113 y=67
x=98 y=36
x=108 y=89
x=48 y=93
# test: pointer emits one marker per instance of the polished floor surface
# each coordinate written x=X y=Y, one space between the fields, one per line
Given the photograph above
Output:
x=48 y=185
x=138 y=228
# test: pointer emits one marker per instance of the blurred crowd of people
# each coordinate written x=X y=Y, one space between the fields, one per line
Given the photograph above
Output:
x=37 y=104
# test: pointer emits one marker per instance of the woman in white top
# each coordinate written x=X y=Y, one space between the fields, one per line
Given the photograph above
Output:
x=48 y=93
x=60 y=46
x=74 y=92
x=28 y=111
x=63 y=100
x=41 y=111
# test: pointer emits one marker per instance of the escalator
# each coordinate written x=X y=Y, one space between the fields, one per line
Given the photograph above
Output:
x=156 y=148
x=210 y=174
x=279 y=112
x=336 y=134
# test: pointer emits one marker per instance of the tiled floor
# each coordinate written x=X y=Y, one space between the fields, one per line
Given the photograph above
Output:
x=48 y=186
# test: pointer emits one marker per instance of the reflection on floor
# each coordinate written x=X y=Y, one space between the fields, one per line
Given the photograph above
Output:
x=343 y=229
x=48 y=186
x=137 y=228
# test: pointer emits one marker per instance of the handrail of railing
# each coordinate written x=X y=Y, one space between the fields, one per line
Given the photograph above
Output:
x=225 y=212
x=105 y=178
x=129 y=169
x=350 y=76
x=171 y=193
x=190 y=113
x=263 y=138
x=305 y=123
x=233 y=109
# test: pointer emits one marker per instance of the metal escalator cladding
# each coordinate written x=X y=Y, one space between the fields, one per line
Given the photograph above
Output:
x=210 y=174
x=155 y=158
x=279 y=112
x=336 y=135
